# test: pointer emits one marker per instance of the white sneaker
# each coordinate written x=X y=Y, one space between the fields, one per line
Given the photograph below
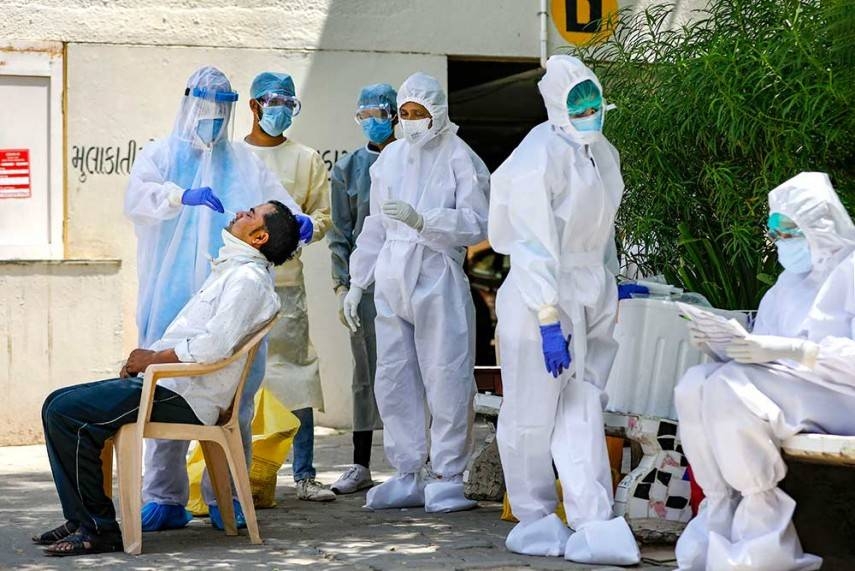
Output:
x=311 y=490
x=355 y=478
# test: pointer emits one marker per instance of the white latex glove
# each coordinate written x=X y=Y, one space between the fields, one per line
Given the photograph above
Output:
x=700 y=340
x=403 y=212
x=340 y=293
x=698 y=337
x=768 y=348
x=350 y=306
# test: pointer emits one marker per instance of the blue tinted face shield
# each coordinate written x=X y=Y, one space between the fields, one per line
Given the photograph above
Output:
x=212 y=95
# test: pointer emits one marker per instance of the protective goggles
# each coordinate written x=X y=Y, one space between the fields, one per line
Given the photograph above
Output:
x=212 y=95
x=779 y=227
x=380 y=112
x=281 y=100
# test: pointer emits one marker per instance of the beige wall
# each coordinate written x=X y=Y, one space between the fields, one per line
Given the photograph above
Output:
x=60 y=323
x=485 y=28
x=473 y=27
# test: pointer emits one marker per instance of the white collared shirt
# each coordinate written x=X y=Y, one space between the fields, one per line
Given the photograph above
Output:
x=236 y=299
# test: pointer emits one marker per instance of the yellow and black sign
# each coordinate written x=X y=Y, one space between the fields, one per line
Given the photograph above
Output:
x=584 y=21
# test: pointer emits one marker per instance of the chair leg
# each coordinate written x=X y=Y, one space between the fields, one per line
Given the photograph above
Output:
x=216 y=462
x=107 y=467
x=128 y=443
x=240 y=476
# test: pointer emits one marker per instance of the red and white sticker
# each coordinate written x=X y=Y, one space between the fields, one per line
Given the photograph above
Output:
x=15 y=173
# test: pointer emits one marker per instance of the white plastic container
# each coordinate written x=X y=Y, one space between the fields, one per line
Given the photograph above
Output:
x=654 y=353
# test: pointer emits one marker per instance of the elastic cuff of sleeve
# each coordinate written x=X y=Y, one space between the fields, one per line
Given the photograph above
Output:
x=548 y=314
x=174 y=194
x=182 y=351
x=811 y=353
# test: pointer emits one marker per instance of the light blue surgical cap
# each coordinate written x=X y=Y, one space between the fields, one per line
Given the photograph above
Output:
x=268 y=81
x=378 y=94
x=584 y=96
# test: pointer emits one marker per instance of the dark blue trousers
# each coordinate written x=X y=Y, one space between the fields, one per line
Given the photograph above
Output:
x=77 y=421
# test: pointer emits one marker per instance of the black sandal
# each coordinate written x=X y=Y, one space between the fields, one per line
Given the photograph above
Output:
x=76 y=544
x=57 y=533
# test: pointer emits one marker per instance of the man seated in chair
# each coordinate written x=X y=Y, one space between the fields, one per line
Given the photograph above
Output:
x=236 y=300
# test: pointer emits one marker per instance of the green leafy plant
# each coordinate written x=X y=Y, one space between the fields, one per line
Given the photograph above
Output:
x=714 y=113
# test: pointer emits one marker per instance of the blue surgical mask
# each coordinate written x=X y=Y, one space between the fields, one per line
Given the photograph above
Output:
x=377 y=130
x=794 y=255
x=209 y=129
x=274 y=120
x=591 y=123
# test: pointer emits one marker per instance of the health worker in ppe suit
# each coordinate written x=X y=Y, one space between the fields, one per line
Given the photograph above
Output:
x=177 y=195
x=429 y=201
x=293 y=375
x=351 y=186
x=792 y=374
x=552 y=210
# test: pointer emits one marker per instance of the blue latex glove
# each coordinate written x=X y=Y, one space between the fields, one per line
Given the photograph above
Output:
x=202 y=196
x=157 y=517
x=307 y=228
x=555 y=353
x=625 y=291
x=217 y=518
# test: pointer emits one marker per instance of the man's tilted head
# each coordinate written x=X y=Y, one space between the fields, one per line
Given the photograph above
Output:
x=270 y=228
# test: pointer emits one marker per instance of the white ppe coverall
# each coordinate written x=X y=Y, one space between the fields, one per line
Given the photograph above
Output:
x=425 y=315
x=175 y=242
x=552 y=210
x=733 y=416
x=235 y=300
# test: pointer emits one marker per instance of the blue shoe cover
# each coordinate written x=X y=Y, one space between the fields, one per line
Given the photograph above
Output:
x=217 y=519
x=157 y=517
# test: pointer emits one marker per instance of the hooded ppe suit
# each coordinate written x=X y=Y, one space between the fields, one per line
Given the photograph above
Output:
x=733 y=416
x=176 y=242
x=351 y=191
x=552 y=210
x=425 y=315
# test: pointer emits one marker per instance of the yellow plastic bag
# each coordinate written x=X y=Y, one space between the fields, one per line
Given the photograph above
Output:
x=508 y=515
x=273 y=430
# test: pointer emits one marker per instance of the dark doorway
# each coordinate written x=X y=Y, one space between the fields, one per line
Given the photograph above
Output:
x=495 y=104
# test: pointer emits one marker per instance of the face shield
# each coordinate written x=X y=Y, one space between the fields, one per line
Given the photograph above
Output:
x=206 y=111
x=780 y=227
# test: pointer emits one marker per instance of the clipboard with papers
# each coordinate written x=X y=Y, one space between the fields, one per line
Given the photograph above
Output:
x=719 y=330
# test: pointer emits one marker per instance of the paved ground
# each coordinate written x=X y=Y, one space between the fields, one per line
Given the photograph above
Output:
x=338 y=535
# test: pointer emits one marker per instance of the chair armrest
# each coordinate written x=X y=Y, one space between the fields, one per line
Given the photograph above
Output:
x=154 y=373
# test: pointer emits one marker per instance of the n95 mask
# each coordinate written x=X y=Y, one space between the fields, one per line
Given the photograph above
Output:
x=415 y=129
